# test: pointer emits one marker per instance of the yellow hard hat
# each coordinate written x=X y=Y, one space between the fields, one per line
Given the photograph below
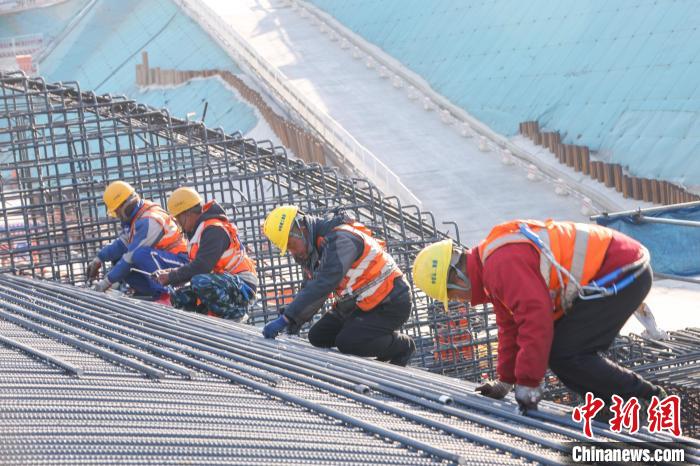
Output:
x=431 y=268
x=115 y=194
x=182 y=199
x=278 y=224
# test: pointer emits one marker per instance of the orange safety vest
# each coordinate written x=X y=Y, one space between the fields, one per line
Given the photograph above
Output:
x=580 y=248
x=371 y=277
x=172 y=240
x=234 y=260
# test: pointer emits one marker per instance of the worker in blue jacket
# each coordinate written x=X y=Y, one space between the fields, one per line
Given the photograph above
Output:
x=150 y=240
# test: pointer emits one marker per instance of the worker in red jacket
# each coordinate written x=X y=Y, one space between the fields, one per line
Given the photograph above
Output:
x=561 y=292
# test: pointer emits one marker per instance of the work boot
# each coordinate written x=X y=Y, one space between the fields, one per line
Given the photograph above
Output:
x=661 y=393
x=604 y=415
x=404 y=357
x=658 y=392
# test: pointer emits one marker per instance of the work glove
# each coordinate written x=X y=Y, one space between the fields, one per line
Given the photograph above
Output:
x=162 y=276
x=292 y=327
x=528 y=397
x=103 y=285
x=272 y=329
x=94 y=268
x=494 y=389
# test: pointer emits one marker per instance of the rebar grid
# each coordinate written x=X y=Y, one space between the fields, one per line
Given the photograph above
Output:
x=378 y=413
x=60 y=146
x=674 y=364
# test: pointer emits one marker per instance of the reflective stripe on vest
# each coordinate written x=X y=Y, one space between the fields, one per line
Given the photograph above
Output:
x=579 y=248
x=234 y=260
x=578 y=263
x=371 y=276
x=518 y=238
x=172 y=239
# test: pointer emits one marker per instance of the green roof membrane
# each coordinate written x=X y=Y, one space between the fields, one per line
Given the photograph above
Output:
x=102 y=50
x=620 y=77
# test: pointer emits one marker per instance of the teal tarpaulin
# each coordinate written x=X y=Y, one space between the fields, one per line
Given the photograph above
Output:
x=674 y=249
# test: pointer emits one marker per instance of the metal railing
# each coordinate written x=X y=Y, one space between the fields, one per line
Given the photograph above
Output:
x=15 y=6
x=643 y=216
x=27 y=44
x=366 y=163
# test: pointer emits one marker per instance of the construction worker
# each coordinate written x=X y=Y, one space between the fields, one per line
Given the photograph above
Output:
x=222 y=277
x=150 y=240
x=340 y=256
x=561 y=292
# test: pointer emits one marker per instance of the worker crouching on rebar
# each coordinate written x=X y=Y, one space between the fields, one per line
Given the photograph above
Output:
x=150 y=240
x=341 y=256
x=561 y=292
x=222 y=277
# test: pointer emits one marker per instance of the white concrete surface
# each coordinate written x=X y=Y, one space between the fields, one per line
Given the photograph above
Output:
x=675 y=305
x=446 y=171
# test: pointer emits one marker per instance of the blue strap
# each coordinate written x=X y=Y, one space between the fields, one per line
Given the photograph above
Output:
x=595 y=285
x=607 y=278
x=529 y=234
x=625 y=282
x=615 y=287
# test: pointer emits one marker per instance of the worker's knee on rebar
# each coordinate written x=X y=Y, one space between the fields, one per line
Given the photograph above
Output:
x=349 y=343
x=562 y=365
x=321 y=339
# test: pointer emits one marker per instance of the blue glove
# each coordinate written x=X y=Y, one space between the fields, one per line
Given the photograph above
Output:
x=273 y=328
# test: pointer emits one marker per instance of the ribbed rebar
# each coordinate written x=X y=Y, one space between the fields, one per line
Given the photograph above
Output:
x=42 y=356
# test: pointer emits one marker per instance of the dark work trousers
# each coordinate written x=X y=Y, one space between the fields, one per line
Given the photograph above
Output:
x=590 y=327
x=373 y=333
